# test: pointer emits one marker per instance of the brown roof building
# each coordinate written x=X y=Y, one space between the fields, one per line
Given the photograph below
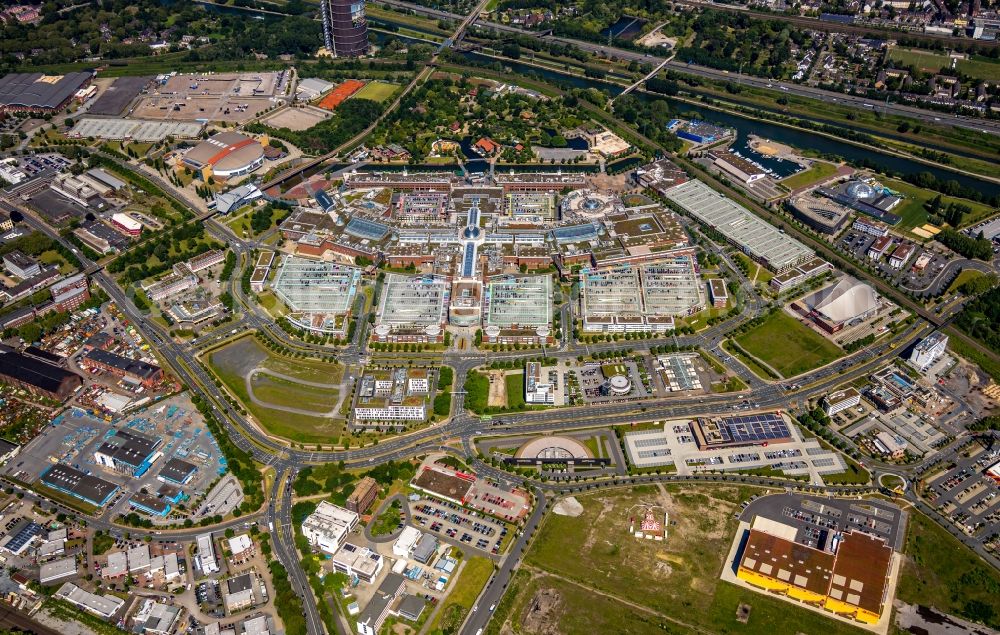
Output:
x=363 y=495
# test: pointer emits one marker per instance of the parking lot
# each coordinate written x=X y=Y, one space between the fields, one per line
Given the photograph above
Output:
x=461 y=525
x=817 y=518
x=857 y=244
x=966 y=494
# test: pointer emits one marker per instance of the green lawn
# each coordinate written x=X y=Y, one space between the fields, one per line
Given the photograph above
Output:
x=801 y=349
x=913 y=208
x=376 y=91
x=820 y=171
x=387 y=521
x=464 y=591
x=923 y=60
x=768 y=615
x=941 y=572
x=281 y=392
x=515 y=390
x=967 y=275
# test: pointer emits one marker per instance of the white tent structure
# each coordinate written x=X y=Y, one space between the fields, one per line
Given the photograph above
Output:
x=847 y=300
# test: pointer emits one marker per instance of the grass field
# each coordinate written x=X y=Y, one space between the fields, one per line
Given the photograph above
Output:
x=376 y=91
x=233 y=362
x=820 y=171
x=515 y=390
x=913 y=208
x=977 y=66
x=598 y=576
x=801 y=349
x=941 y=572
x=967 y=275
x=465 y=590
x=281 y=392
x=923 y=60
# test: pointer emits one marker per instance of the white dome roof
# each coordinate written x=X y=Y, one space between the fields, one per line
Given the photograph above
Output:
x=847 y=300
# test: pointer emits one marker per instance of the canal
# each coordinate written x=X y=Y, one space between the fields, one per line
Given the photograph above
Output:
x=744 y=126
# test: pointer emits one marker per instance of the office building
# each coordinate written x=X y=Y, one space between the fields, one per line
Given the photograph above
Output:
x=345 y=30
x=841 y=400
x=21 y=265
x=206 y=554
x=364 y=494
x=69 y=293
x=327 y=527
x=537 y=388
x=126 y=224
x=354 y=560
x=370 y=620
x=928 y=350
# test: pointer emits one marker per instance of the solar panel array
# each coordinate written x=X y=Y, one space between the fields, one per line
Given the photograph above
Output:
x=755 y=428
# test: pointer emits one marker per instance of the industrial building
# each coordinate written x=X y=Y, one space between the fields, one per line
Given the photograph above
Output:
x=224 y=155
x=37 y=376
x=328 y=525
x=867 y=198
x=131 y=370
x=929 y=350
x=345 y=29
x=851 y=580
x=72 y=481
x=35 y=92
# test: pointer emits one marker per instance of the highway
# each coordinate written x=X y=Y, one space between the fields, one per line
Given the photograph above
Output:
x=681 y=66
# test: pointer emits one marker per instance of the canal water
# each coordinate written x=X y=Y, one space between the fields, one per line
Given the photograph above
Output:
x=744 y=126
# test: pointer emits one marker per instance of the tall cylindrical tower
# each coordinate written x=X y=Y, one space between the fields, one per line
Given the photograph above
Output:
x=345 y=30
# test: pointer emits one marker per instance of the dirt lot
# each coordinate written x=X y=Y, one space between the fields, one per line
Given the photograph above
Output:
x=498 y=389
x=295 y=118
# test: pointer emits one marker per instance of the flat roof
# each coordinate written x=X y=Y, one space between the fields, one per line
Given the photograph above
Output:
x=35 y=90
x=177 y=470
x=84 y=486
x=127 y=365
x=524 y=301
x=738 y=225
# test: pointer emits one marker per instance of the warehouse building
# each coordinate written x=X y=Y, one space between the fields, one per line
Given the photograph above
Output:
x=35 y=92
x=37 y=376
x=72 y=481
x=103 y=606
x=128 y=452
x=758 y=239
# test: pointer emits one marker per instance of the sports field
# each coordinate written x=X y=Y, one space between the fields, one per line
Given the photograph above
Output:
x=976 y=66
x=787 y=346
x=587 y=573
x=376 y=91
